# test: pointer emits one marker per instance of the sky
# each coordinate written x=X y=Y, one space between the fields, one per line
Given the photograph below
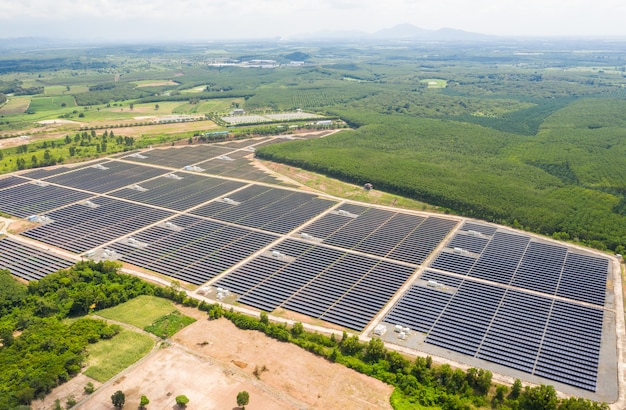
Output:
x=174 y=20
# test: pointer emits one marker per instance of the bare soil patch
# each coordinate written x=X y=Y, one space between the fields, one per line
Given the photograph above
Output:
x=302 y=375
x=172 y=371
x=158 y=84
x=59 y=121
x=74 y=387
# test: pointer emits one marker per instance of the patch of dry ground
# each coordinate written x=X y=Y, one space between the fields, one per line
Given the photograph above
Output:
x=158 y=84
x=211 y=361
x=172 y=371
x=290 y=369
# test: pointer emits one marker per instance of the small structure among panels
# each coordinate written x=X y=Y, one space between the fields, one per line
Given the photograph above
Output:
x=28 y=262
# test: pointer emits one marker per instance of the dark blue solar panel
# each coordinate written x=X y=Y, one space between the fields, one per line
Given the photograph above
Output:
x=584 y=278
x=517 y=330
x=540 y=268
x=570 y=350
x=500 y=258
x=474 y=244
x=419 y=308
x=463 y=323
x=452 y=262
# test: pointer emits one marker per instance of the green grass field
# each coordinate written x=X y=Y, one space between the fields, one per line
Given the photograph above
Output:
x=141 y=311
x=168 y=325
x=51 y=103
x=109 y=357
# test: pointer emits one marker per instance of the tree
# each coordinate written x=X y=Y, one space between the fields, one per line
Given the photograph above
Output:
x=243 y=398
x=89 y=388
x=263 y=318
x=375 y=350
x=156 y=106
x=538 y=398
x=118 y=399
x=143 y=402
x=182 y=400
x=298 y=329
x=131 y=105
x=516 y=389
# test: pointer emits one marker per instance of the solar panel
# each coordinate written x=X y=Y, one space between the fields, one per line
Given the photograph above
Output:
x=87 y=225
x=37 y=198
x=500 y=258
x=28 y=262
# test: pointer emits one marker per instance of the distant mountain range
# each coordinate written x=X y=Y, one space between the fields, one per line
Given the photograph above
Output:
x=404 y=32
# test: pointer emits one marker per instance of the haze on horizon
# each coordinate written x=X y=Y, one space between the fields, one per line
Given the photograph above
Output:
x=167 y=20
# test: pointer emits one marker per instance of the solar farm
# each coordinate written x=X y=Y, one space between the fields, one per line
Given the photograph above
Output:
x=477 y=293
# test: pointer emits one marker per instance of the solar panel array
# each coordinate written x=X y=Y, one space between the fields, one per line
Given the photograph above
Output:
x=388 y=234
x=32 y=198
x=87 y=225
x=28 y=262
x=490 y=293
x=105 y=176
x=271 y=209
x=10 y=181
x=191 y=249
x=178 y=191
x=333 y=285
x=178 y=157
x=532 y=332
x=516 y=260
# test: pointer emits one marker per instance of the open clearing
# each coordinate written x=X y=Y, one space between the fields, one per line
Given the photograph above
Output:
x=435 y=82
x=200 y=364
x=149 y=83
x=15 y=105
x=150 y=308
x=109 y=357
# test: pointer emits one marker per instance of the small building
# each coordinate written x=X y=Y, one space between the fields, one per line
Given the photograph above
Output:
x=324 y=122
x=237 y=111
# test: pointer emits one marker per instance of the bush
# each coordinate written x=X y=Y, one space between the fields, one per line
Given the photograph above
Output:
x=182 y=400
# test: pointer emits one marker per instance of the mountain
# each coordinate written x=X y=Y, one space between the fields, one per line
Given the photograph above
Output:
x=409 y=31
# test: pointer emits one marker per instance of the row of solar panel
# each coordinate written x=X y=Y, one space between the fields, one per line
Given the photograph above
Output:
x=191 y=249
x=527 y=264
x=536 y=334
x=28 y=262
x=84 y=226
x=402 y=237
x=271 y=209
x=333 y=285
